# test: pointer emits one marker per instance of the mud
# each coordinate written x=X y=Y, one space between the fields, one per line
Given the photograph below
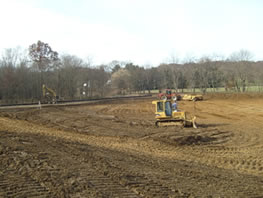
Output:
x=113 y=149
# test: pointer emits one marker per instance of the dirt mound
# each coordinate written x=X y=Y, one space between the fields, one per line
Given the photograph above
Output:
x=191 y=140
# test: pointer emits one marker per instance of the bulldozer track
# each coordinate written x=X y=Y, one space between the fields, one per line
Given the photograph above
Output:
x=15 y=185
x=183 y=153
x=180 y=153
x=18 y=185
x=120 y=182
x=117 y=181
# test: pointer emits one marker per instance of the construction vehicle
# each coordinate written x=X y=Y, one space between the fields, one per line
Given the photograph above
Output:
x=166 y=116
x=191 y=97
x=168 y=95
x=49 y=95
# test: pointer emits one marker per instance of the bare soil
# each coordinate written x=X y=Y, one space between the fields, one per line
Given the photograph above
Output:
x=113 y=149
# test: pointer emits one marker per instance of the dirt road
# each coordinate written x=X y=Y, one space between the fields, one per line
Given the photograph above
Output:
x=113 y=149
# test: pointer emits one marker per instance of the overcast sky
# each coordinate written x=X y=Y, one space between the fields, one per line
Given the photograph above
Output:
x=146 y=32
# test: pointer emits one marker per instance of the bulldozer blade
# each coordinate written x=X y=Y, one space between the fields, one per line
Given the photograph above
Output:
x=190 y=123
x=194 y=123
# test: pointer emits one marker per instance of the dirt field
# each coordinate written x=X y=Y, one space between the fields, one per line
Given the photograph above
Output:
x=113 y=149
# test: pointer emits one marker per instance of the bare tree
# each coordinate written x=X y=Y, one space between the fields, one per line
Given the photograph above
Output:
x=44 y=58
x=101 y=77
x=241 y=55
x=241 y=63
x=69 y=76
x=120 y=80
x=13 y=75
x=42 y=54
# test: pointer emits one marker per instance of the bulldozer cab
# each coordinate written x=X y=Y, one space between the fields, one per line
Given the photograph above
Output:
x=163 y=107
x=168 y=91
x=168 y=108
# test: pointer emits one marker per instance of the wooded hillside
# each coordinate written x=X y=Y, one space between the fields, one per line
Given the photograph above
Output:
x=22 y=75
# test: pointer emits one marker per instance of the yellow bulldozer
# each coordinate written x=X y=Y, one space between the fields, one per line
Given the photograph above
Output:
x=165 y=115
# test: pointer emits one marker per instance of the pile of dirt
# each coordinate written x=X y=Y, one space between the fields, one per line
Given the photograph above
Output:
x=194 y=140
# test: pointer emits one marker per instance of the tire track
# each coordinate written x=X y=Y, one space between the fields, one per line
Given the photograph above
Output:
x=117 y=180
x=145 y=147
x=15 y=185
x=62 y=181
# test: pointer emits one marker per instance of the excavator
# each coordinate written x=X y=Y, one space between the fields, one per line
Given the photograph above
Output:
x=49 y=95
x=166 y=116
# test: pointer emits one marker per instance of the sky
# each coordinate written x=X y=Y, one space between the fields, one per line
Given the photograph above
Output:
x=145 y=32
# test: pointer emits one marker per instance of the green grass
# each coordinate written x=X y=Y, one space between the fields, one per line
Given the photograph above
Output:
x=211 y=90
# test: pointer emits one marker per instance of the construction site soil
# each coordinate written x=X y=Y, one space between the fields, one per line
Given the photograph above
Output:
x=113 y=149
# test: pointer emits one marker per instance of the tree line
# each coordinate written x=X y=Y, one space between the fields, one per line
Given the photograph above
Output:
x=237 y=73
x=22 y=74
